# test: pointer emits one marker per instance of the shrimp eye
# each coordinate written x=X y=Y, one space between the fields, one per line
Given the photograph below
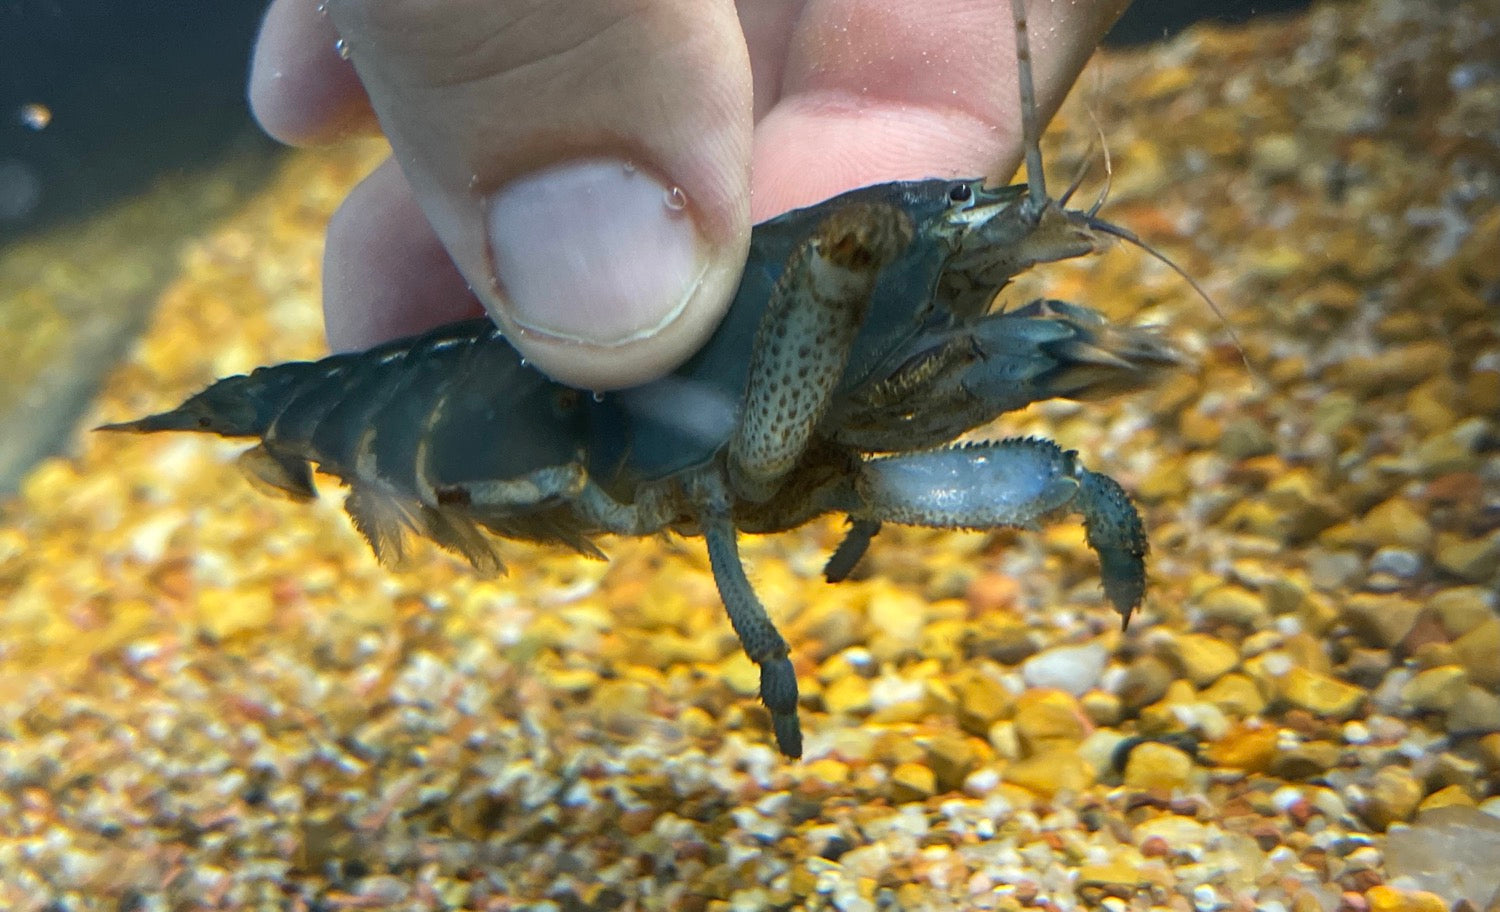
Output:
x=960 y=193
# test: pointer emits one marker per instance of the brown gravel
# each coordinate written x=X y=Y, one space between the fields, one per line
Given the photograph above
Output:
x=211 y=699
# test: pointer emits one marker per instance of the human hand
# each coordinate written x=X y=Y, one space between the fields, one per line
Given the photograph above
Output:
x=592 y=167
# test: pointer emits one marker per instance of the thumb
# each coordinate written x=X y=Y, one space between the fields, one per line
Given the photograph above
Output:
x=584 y=162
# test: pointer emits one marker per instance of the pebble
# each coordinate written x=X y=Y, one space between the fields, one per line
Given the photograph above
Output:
x=1475 y=710
x=1393 y=797
x=1401 y=563
x=989 y=593
x=1320 y=694
x=1117 y=878
x=1251 y=749
x=1305 y=760
x=1100 y=748
x=1472 y=560
x=1331 y=569
x=1435 y=689
x=912 y=782
x=621 y=706
x=1449 y=851
x=1236 y=695
x=1384 y=898
x=1145 y=682
x=1278 y=156
x=828 y=771
x=896 y=619
x=849 y=694
x=1482 y=393
x=1073 y=669
x=1047 y=774
x=1382 y=620
x=1233 y=605
x=1402 y=365
x=1004 y=740
x=896 y=692
x=1463 y=608
x=952 y=757
x=1489 y=749
x=1397 y=523
x=1440 y=454
x=1430 y=405
x=1476 y=651
x=1175 y=830
x=1206 y=899
x=226 y=613
x=1204 y=659
x=1246 y=438
x=1048 y=720
x=982 y=700
x=1158 y=766
x=1102 y=707
x=1446 y=797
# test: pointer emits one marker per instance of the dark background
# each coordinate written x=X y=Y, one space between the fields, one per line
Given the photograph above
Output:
x=140 y=87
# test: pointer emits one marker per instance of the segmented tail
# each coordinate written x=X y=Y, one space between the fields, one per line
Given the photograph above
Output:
x=439 y=434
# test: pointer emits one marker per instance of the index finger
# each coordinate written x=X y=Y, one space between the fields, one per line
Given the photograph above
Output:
x=880 y=90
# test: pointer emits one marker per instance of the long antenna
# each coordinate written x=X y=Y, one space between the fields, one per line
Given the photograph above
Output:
x=1130 y=237
x=1030 y=130
x=1036 y=182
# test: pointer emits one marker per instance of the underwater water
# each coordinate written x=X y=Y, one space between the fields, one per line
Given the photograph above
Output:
x=214 y=699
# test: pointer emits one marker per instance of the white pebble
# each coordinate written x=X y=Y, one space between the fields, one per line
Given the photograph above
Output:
x=1396 y=561
x=1285 y=797
x=1075 y=669
x=1205 y=898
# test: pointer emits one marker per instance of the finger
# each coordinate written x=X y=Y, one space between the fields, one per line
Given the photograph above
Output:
x=584 y=162
x=878 y=91
x=301 y=90
x=768 y=26
x=385 y=273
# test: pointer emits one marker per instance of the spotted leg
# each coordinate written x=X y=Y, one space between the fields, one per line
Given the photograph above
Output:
x=804 y=340
x=758 y=634
x=1017 y=482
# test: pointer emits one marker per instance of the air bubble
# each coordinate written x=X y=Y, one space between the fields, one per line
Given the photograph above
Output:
x=341 y=47
x=675 y=199
x=628 y=167
x=322 y=7
x=35 y=116
x=598 y=396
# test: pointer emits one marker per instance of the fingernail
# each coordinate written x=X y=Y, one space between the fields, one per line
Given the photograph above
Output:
x=594 y=250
